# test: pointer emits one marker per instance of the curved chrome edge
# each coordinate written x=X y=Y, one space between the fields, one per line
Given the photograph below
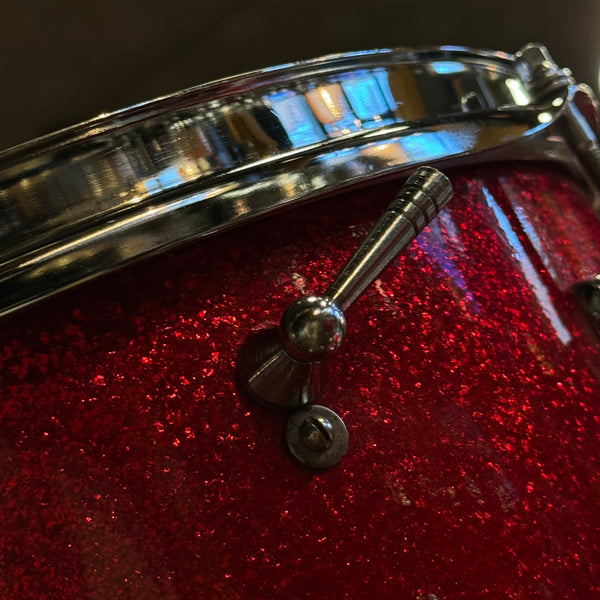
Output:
x=229 y=87
x=97 y=196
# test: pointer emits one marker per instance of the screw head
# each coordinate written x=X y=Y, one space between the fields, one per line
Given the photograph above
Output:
x=316 y=433
x=316 y=436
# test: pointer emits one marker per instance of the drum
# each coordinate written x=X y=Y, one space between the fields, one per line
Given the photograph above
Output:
x=132 y=466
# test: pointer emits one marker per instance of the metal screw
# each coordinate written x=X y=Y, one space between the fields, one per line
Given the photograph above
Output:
x=317 y=433
x=316 y=437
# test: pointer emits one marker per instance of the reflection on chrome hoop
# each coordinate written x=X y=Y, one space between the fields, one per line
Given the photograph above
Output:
x=94 y=197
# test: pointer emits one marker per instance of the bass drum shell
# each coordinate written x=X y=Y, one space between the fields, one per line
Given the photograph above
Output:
x=131 y=467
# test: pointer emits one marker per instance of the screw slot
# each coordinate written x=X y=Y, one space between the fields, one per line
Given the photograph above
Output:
x=316 y=433
x=316 y=437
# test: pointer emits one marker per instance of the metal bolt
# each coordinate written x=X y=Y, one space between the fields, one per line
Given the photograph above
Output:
x=317 y=433
x=541 y=74
x=316 y=437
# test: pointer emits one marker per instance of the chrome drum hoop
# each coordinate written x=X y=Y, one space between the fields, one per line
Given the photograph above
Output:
x=94 y=197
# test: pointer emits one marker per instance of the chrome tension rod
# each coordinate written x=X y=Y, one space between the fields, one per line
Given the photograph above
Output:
x=282 y=366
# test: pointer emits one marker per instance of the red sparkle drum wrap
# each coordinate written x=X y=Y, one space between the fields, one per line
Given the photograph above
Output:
x=130 y=467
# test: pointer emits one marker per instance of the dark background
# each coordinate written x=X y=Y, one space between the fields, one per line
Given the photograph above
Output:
x=63 y=62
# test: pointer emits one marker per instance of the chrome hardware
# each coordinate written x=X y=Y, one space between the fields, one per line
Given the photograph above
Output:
x=316 y=433
x=283 y=366
x=584 y=141
x=543 y=79
x=312 y=329
x=422 y=197
x=316 y=437
x=588 y=294
x=97 y=196
x=541 y=75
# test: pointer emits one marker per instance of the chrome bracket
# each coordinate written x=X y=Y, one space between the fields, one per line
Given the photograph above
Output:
x=545 y=80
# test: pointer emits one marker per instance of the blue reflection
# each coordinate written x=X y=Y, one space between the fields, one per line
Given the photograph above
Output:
x=540 y=290
x=170 y=177
x=367 y=99
x=444 y=228
x=166 y=179
x=296 y=118
x=218 y=151
x=447 y=67
x=426 y=145
x=382 y=77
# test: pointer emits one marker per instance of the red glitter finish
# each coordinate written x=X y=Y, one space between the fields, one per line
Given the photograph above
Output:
x=470 y=384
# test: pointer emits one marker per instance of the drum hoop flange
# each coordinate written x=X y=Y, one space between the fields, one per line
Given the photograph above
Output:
x=92 y=167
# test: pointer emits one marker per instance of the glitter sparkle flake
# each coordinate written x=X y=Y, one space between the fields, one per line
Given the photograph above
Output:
x=130 y=467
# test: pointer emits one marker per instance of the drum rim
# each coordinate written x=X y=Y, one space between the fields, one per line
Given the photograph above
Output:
x=237 y=83
x=41 y=256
